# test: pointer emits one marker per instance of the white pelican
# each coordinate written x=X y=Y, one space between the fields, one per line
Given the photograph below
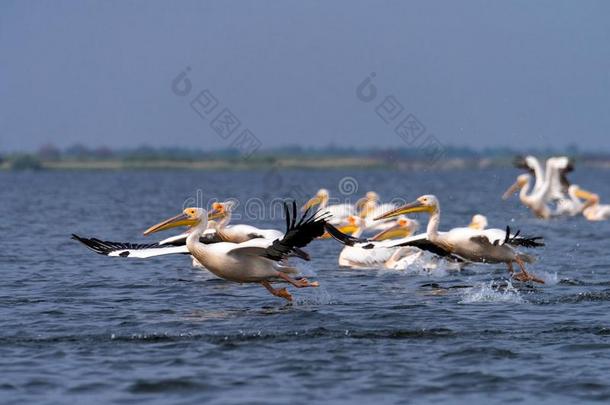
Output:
x=533 y=166
x=374 y=252
x=592 y=209
x=216 y=232
x=407 y=255
x=559 y=166
x=553 y=178
x=487 y=246
x=574 y=205
x=534 y=201
x=369 y=208
x=239 y=232
x=254 y=261
x=338 y=212
x=478 y=222
x=171 y=246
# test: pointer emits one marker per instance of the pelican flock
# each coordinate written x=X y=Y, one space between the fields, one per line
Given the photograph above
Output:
x=548 y=193
x=374 y=235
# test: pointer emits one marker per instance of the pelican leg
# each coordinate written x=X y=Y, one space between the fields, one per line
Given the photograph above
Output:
x=300 y=283
x=523 y=275
x=511 y=270
x=280 y=292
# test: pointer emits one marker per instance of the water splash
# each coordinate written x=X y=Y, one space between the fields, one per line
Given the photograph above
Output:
x=492 y=292
x=312 y=296
x=547 y=277
x=424 y=264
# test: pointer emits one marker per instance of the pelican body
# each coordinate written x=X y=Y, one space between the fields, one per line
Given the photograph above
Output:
x=254 y=261
x=482 y=246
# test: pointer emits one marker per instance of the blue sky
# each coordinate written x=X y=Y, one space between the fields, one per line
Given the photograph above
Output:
x=474 y=73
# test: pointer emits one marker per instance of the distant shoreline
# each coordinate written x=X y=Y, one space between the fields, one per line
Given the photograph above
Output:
x=312 y=163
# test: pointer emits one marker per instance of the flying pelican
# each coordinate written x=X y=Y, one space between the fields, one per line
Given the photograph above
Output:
x=217 y=231
x=170 y=246
x=553 y=177
x=534 y=201
x=487 y=246
x=254 y=261
x=407 y=255
x=338 y=212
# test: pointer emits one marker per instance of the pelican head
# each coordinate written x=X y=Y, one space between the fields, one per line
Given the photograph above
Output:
x=321 y=198
x=221 y=210
x=479 y=222
x=426 y=203
x=192 y=216
x=521 y=182
x=371 y=198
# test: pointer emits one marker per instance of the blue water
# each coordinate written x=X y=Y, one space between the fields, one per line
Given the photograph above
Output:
x=79 y=327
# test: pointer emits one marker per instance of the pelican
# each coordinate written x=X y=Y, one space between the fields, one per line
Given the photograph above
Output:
x=534 y=201
x=376 y=251
x=574 y=205
x=338 y=212
x=407 y=255
x=592 y=210
x=169 y=246
x=254 y=261
x=370 y=208
x=487 y=246
x=559 y=184
x=553 y=178
x=217 y=231
x=478 y=222
x=239 y=232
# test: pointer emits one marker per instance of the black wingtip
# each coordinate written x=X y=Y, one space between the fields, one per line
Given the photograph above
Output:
x=340 y=236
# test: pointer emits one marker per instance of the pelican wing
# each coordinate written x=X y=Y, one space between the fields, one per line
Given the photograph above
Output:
x=180 y=240
x=521 y=163
x=422 y=242
x=345 y=239
x=499 y=237
x=132 y=250
x=298 y=234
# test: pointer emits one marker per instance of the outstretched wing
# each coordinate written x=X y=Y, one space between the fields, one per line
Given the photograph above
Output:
x=132 y=250
x=298 y=235
x=342 y=237
x=524 y=241
x=521 y=163
x=421 y=242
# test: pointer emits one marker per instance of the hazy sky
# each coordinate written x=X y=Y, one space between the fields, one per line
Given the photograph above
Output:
x=476 y=73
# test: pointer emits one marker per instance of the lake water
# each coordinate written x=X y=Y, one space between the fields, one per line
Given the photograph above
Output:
x=79 y=327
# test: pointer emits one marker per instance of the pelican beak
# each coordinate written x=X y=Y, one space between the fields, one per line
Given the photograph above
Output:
x=173 y=222
x=393 y=232
x=215 y=214
x=312 y=202
x=511 y=190
x=585 y=195
x=415 y=206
